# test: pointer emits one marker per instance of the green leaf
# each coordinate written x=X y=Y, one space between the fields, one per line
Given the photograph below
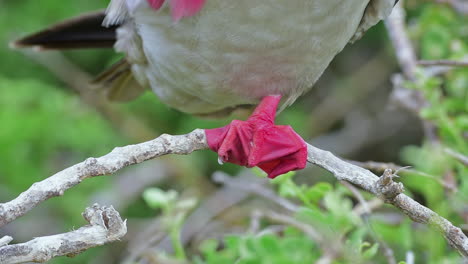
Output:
x=318 y=191
x=159 y=199
x=370 y=252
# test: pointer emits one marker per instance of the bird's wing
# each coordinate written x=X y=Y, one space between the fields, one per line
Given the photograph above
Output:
x=118 y=82
x=376 y=10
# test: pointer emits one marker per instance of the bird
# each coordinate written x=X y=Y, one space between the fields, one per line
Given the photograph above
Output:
x=211 y=57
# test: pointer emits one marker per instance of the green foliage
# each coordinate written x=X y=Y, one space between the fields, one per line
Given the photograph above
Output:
x=441 y=34
x=42 y=129
x=45 y=127
x=174 y=212
x=335 y=223
x=158 y=199
x=294 y=248
x=40 y=123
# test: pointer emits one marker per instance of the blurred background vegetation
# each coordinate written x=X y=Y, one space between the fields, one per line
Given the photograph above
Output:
x=50 y=118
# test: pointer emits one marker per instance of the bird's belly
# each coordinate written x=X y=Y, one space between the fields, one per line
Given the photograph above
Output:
x=235 y=52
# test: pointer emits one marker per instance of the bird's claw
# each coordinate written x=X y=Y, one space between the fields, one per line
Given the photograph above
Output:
x=259 y=142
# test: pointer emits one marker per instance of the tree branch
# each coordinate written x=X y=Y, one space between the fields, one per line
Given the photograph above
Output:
x=119 y=158
x=122 y=157
x=404 y=51
x=105 y=226
x=255 y=188
x=449 y=63
x=386 y=188
x=412 y=100
x=459 y=5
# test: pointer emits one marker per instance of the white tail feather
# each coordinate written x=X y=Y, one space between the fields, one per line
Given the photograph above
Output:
x=116 y=13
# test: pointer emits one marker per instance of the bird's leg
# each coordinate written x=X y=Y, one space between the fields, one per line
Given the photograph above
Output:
x=259 y=142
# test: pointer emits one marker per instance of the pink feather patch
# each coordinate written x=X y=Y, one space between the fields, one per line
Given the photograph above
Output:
x=180 y=8
x=185 y=8
x=156 y=4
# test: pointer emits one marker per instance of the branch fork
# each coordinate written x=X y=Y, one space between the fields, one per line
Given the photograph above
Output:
x=122 y=157
x=386 y=188
x=105 y=226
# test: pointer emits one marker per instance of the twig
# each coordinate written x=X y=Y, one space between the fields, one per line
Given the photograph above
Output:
x=376 y=166
x=255 y=188
x=366 y=209
x=330 y=249
x=371 y=205
x=451 y=63
x=325 y=259
x=289 y=220
x=458 y=156
x=459 y=5
x=325 y=111
x=218 y=202
x=105 y=226
x=409 y=257
x=413 y=100
x=385 y=187
x=5 y=240
x=255 y=222
x=119 y=158
x=404 y=51
x=185 y=144
x=380 y=167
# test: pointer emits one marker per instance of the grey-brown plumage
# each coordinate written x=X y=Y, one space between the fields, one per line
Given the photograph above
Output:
x=232 y=53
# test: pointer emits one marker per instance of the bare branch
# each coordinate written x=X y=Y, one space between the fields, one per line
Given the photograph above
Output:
x=412 y=100
x=119 y=158
x=166 y=144
x=366 y=211
x=404 y=51
x=418 y=213
x=409 y=257
x=373 y=204
x=330 y=248
x=380 y=167
x=385 y=187
x=406 y=56
x=459 y=5
x=255 y=188
x=289 y=220
x=5 y=240
x=105 y=226
x=450 y=63
x=456 y=155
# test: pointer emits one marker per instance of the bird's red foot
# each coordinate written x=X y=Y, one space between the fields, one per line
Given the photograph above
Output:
x=259 y=142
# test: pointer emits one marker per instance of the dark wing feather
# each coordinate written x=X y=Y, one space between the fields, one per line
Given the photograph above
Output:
x=85 y=31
